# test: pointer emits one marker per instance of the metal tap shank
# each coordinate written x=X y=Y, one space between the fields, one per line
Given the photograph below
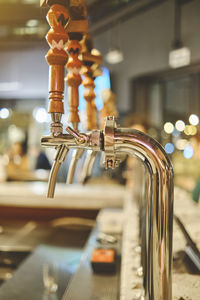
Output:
x=63 y=143
x=158 y=209
x=158 y=205
x=77 y=154
x=60 y=156
x=88 y=165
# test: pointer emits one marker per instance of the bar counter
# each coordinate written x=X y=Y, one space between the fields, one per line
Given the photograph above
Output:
x=66 y=246
x=29 y=201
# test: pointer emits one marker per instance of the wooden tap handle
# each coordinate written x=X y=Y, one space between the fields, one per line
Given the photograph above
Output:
x=91 y=62
x=73 y=104
x=58 y=18
x=94 y=113
x=43 y=3
x=89 y=96
x=73 y=79
x=77 y=26
x=96 y=71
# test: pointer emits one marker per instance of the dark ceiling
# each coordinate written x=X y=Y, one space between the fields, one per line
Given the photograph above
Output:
x=25 y=19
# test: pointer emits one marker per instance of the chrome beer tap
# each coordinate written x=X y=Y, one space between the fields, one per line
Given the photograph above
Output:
x=115 y=141
x=76 y=155
x=57 y=37
x=78 y=14
x=88 y=165
x=109 y=109
x=92 y=60
x=64 y=142
x=60 y=156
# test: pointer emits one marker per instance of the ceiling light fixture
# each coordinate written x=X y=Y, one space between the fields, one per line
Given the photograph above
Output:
x=179 y=56
x=10 y=86
x=115 y=54
x=32 y=23
x=4 y=113
x=30 y=1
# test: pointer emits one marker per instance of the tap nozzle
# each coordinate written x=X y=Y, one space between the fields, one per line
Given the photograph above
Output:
x=88 y=165
x=77 y=154
x=64 y=142
x=60 y=156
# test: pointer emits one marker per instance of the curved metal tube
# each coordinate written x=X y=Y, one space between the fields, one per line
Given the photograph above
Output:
x=158 y=207
x=52 y=179
x=60 y=156
x=77 y=154
x=88 y=165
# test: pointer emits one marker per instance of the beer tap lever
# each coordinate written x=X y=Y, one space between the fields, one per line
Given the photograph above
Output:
x=114 y=141
x=80 y=138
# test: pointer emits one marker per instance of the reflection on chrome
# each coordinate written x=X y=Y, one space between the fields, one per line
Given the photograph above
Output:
x=88 y=165
x=77 y=154
x=157 y=208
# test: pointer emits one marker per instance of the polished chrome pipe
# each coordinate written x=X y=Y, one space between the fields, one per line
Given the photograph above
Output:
x=77 y=154
x=158 y=207
x=88 y=165
x=64 y=142
x=60 y=156
x=51 y=141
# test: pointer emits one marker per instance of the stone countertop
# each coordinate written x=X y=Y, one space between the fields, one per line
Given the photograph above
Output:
x=185 y=286
x=189 y=213
x=27 y=281
x=61 y=246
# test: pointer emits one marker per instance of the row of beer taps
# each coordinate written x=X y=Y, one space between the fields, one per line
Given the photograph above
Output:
x=70 y=46
x=90 y=60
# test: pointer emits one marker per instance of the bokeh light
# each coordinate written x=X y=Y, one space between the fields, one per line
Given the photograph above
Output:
x=4 y=113
x=32 y=23
x=190 y=130
x=188 y=152
x=176 y=133
x=181 y=144
x=169 y=148
x=40 y=115
x=180 y=125
x=168 y=127
x=194 y=119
